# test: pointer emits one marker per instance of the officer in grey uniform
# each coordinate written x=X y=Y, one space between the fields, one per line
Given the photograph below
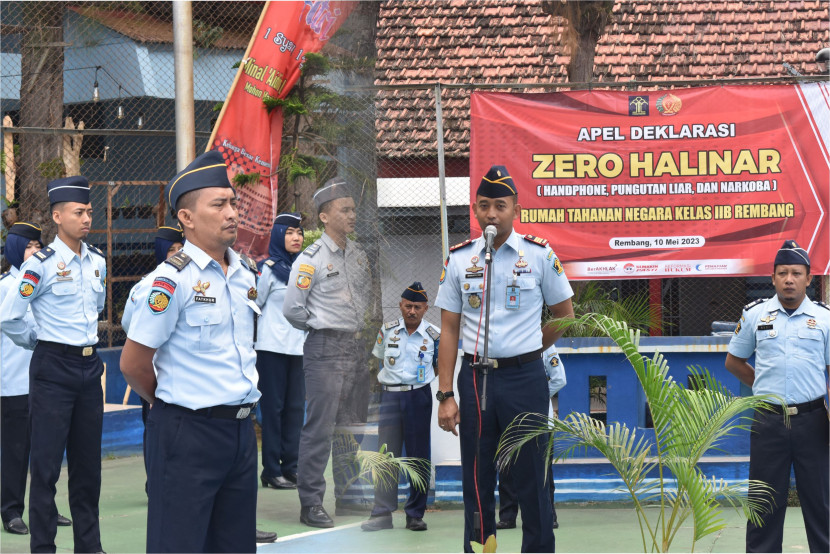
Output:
x=408 y=352
x=328 y=293
x=198 y=319
x=65 y=285
x=526 y=274
x=790 y=337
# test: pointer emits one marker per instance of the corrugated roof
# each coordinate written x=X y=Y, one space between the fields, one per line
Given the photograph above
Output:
x=493 y=41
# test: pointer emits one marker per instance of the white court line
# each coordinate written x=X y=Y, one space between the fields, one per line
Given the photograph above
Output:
x=311 y=533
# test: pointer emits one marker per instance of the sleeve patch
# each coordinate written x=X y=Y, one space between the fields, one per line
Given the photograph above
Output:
x=380 y=337
x=165 y=284
x=738 y=328
x=307 y=268
x=158 y=301
x=557 y=266
x=303 y=281
x=26 y=289
x=443 y=275
x=32 y=277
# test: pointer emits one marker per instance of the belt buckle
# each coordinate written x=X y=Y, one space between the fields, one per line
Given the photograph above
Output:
x=243 y=412
x=87 y=351
x=792 y=410
x=495 y=363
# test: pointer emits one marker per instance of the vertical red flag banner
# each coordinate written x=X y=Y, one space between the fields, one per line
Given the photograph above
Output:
x=246 y=134
x=674 y=183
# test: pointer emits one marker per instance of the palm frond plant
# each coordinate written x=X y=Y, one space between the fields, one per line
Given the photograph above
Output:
x=350 y=463
x=687 y=424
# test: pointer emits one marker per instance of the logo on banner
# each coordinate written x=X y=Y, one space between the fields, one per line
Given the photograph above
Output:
x=628 y=268
x=668 y=104
x=638 y=105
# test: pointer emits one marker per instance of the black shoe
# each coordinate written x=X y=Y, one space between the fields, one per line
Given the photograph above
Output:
x=352 y=508
x=265 y=536
x=291 y=477
x=506 y=524
x=315 y=516
x=376 y=523
x=556 y=525
x=64 y=521
x=416 y=524
x=16 y=526
x=279 y=482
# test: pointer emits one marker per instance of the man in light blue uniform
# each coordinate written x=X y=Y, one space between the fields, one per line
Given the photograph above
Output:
x=526 y=275
x=65 y=285
x=408 y=352
x=508 y=503
x=790 y=337
x=198 y=320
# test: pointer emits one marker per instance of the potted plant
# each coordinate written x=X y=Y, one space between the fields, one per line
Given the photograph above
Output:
x=128 y=210
x=145 y=211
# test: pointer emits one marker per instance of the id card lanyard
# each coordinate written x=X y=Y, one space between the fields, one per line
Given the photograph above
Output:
x=422 y=370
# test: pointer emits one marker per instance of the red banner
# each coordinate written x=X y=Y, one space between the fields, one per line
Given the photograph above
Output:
x=246 y=134
x=675 y=183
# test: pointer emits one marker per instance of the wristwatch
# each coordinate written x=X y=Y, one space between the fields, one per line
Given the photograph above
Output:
x=441 y=396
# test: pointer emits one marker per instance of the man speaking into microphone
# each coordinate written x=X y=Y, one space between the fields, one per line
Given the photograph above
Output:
x=525 y=274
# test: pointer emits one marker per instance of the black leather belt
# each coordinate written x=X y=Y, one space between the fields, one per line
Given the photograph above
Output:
x=223 y=411
x=804 y=407
x=403 y=388
x=76 y=350
x=510 y=362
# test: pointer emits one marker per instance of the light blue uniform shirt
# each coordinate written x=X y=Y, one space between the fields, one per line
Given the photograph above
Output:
x=275 y=333
x=401 y=353
x=66 y=293
x=555 y=370
x=791 y=351
x=129 y=305
x=204 y=338
x=515 y=321
x=14 y=368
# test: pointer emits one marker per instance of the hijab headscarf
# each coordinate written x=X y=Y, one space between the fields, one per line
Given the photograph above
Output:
x=18 y=238
x=276 y=248
x=165 y=237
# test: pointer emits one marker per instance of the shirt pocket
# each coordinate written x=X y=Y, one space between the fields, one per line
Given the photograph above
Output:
x=64 y=289
x=392 y=358
x=329 y=282
x=809 y=346
x=471 y=294
x=97 y=286
x=204 y=329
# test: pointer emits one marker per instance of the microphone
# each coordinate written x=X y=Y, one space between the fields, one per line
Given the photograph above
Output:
x=489 y=237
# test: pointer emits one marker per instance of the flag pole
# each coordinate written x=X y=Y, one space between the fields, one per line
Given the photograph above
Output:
x=238 y=75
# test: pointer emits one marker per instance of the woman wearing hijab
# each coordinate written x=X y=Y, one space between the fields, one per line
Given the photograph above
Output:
x=22 y=241
x=279 y=349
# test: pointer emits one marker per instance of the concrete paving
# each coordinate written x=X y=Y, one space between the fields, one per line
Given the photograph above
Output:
x=604 y=527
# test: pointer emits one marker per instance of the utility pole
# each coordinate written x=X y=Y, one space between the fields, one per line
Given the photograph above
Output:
x=183 y=68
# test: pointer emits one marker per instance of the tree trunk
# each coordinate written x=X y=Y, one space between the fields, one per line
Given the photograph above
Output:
x=587 y=20
x=41 y=105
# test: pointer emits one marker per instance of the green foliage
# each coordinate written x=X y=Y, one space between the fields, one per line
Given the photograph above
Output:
x=315 y=64
x=310 y=235
x=591 y=297
x=204 y=35
x=218 y=106
x=488 y=546
x=244 y=179
x=290 y=106
x=236 y=65
x=687 y=424
x=51 y=169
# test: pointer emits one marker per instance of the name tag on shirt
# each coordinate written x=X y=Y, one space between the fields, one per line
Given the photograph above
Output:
x=765 y=327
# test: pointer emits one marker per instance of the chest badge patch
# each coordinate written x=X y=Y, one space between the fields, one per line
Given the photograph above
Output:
x=521 y=262
x=773 y=333
x=811 y=323
x=61 y=265
x=201 y=287
x=475 y=301
x=252 y=294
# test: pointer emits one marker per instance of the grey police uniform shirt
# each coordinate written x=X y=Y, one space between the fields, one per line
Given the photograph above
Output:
x=401 y=354
x=791 y=351
x=14 y=358
x=65 y=291
x=201 y=321
x=328 y=288
x=526 y=275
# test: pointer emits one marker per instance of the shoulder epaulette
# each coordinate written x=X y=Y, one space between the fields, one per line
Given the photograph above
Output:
x=755 y=303
x=269 y=262
x=248 y=261
x=536 y=240
x=179 y=260
x=822 y=304
x=432 y=332
x=6 y=274
x=96 y=250
x=43 y=254
x=391 y=324
x=312 y=249
x=461 y=245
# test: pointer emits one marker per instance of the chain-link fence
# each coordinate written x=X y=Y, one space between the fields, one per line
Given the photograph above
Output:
x=110 y=65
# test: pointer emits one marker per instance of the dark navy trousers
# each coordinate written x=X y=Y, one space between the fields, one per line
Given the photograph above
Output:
x=14 y=455
x=66 y=411
x=775 y=449
x=282 y=405
x=202 y=482
x=404 y=421
x=509 y=504
x=510 y=392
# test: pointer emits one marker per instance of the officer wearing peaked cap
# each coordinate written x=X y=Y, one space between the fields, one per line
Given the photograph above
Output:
x=64 y=284
x=328 y=294
x=526 y=275
x=196 y=325
x=408 y=352
x=790 y=337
